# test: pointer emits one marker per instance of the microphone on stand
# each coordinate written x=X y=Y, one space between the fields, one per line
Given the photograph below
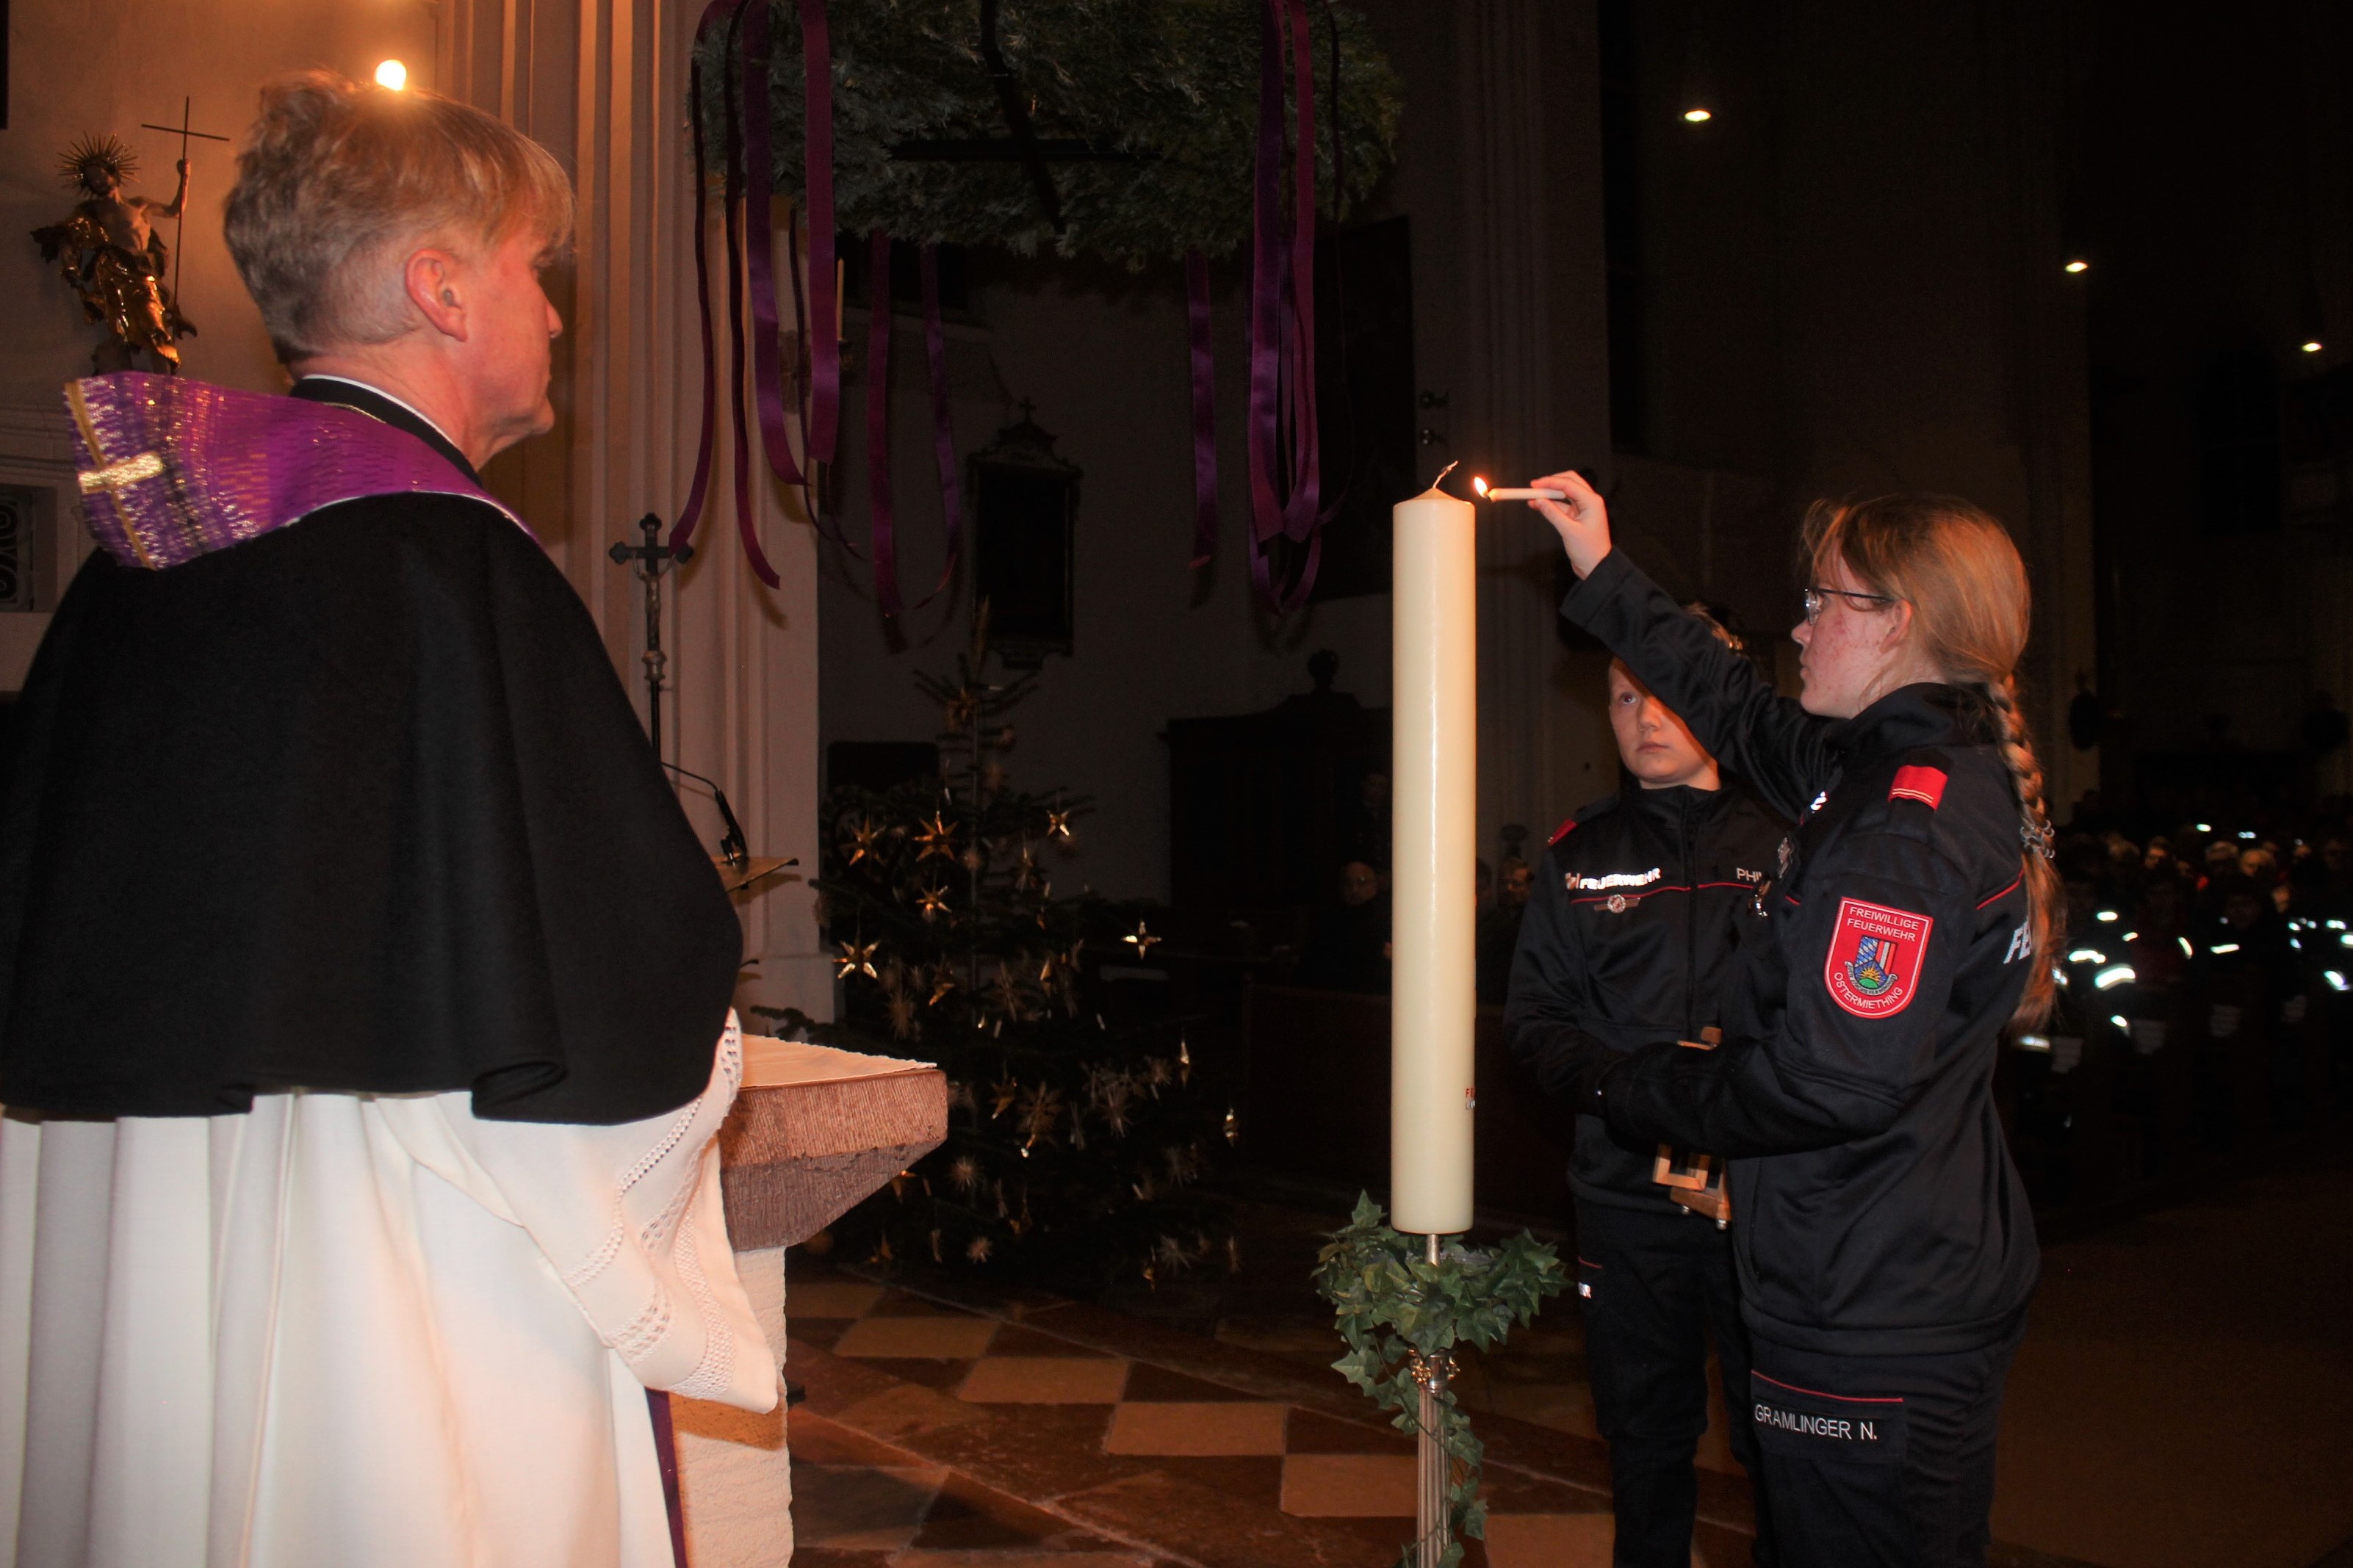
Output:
x=732 y=846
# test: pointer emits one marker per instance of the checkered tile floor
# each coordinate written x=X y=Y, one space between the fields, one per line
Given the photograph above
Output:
x=1007 y=1432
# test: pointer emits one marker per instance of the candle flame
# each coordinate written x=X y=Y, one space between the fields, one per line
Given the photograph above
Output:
x=1480 y=485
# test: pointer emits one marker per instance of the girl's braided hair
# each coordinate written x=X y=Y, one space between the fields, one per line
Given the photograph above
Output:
x=1962 y=576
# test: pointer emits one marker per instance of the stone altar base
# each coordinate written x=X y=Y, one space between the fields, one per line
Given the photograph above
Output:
x=735 y=1477
x=813 y=1131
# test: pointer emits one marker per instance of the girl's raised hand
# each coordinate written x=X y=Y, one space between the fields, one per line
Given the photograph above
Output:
x=1582 y=521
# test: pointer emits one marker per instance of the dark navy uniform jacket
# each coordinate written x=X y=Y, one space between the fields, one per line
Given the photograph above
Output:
x=1875 y=1209
x=1630 y=935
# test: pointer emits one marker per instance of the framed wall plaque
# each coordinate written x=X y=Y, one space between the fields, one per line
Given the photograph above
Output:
x=1025 y=503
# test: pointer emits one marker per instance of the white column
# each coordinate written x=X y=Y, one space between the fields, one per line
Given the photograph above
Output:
x=602 y=83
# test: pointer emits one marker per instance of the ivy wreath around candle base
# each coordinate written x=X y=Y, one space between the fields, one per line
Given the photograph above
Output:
x=1402 y=1317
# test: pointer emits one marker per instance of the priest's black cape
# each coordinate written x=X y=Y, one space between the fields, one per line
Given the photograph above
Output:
x=359 y=805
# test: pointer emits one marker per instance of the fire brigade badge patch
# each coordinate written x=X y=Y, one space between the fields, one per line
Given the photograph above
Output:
x=1873 y=966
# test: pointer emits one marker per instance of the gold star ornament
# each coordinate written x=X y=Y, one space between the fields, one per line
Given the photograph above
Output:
x=857 y=958
x=862 y=839
x=1141 y=939
x=937 y=838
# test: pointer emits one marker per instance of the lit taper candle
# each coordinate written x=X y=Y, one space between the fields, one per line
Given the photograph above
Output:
x=1433 y=984
x=1517 y=493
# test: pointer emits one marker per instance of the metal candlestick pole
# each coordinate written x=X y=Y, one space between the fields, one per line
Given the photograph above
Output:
x=649 y=561
x=1431 y=1465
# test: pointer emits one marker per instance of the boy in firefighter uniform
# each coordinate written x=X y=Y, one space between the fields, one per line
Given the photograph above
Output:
x=1640 y=906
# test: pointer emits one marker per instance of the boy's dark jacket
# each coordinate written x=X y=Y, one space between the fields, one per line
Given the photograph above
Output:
x=1639 y=910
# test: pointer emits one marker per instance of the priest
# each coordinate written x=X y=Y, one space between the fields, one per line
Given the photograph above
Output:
x=363 y=992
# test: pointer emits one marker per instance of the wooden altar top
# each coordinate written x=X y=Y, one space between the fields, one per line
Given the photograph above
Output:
x=814 y=1130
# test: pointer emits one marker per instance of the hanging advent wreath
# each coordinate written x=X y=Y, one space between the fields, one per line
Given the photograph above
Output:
x=1146 y=112
x=1135 y=129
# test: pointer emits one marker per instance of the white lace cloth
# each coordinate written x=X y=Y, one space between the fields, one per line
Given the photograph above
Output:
x=364 y=1331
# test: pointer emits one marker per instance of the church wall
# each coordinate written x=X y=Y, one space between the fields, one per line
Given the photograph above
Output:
x=1104 y=357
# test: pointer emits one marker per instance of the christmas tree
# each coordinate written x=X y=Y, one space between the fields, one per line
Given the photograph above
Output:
x=1077 y=1134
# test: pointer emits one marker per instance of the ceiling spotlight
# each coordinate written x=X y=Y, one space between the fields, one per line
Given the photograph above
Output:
x=2079 y=264
x=2312 y=345
x=1698 y=116
x=392 y=74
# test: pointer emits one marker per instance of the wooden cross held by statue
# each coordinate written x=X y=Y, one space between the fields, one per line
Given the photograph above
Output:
x=180 y=224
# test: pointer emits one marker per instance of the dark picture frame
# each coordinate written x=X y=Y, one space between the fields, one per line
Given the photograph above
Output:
x=1025 y=505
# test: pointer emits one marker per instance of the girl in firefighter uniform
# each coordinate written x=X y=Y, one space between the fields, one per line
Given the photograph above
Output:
x=1885 y=1250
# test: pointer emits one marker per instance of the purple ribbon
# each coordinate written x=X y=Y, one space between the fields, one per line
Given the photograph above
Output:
x=1285 y=484
x=828 y=524
x=935 y=351
x=1266 y=296
x=878 y=419
x=824 y=356
x=698 y=489
x=751 y=177
x=1301 y=511
x=741 y=455
x=748 y=172
x=1205 y=413
x=666 y=1460
x=759 y=235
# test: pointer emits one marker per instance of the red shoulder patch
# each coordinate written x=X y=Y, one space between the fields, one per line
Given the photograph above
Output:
x=1923 y=784
x=1873 y=967
x=1563 y=831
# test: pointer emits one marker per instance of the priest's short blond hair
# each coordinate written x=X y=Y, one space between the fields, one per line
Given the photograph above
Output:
x=338 y=184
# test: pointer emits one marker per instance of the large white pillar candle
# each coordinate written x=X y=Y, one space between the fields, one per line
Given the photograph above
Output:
x=1433 y=984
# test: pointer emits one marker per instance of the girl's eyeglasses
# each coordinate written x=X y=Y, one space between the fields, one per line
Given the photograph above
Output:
x=1817 y=596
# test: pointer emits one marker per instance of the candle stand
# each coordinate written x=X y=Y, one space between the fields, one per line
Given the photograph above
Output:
x=1434 y=1530
x=1403 y=1303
